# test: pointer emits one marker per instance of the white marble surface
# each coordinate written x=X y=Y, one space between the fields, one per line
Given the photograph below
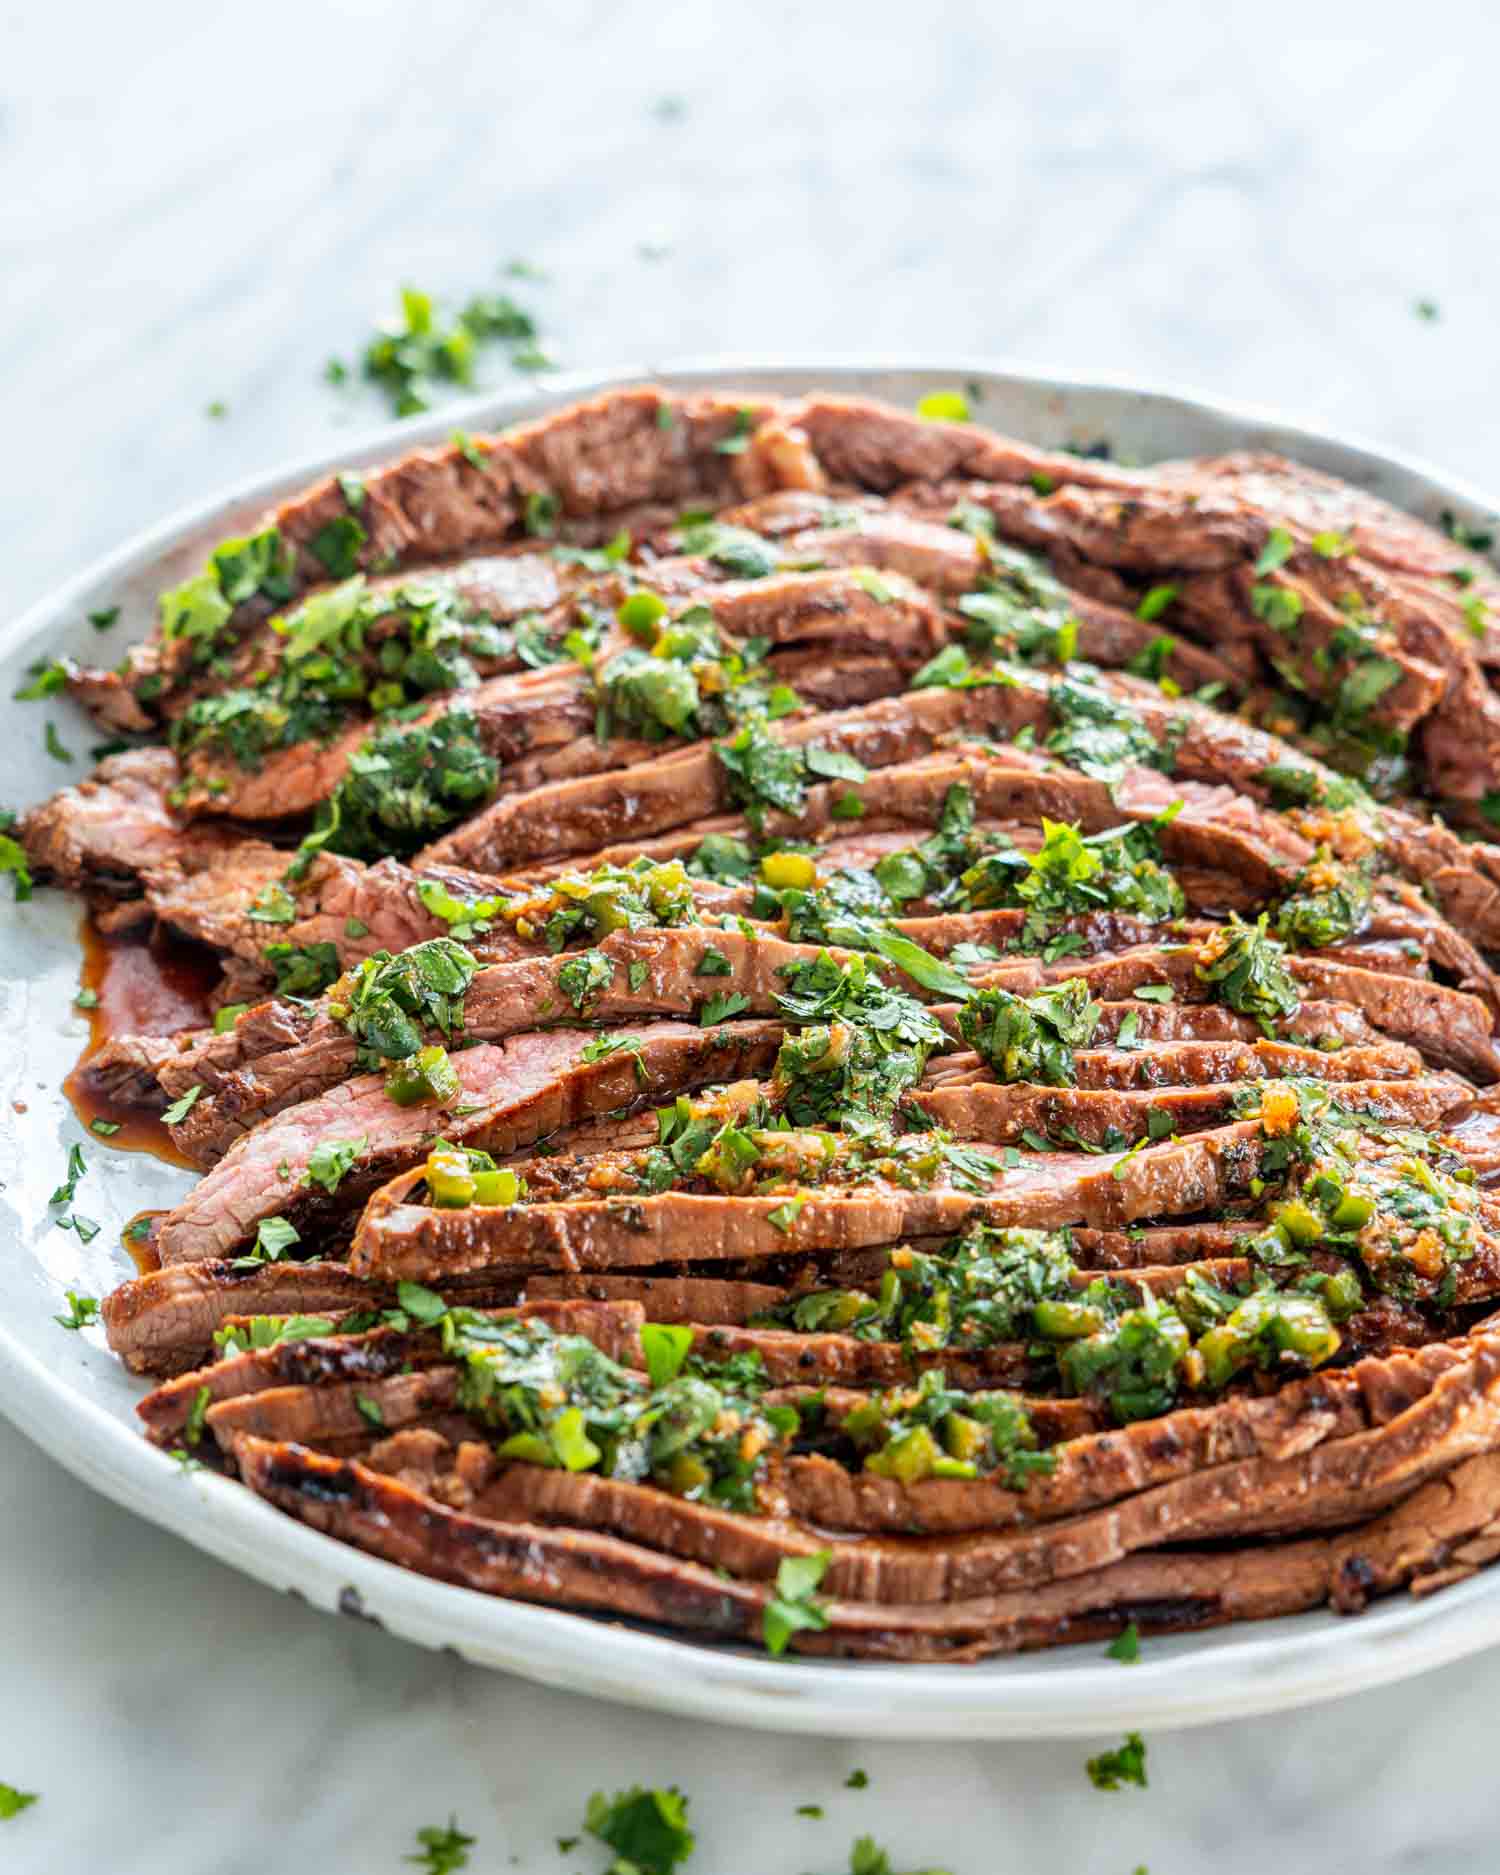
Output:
x=199 y=202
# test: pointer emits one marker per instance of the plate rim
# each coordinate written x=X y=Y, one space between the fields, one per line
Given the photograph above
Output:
x=1242 y=1671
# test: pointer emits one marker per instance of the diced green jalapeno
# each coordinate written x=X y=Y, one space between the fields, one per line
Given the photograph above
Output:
x=1066 y=1321
x=496 y=1187
x=1353 y=1211
x=912 y=1456
x=426 y=1078
x=450 y=1183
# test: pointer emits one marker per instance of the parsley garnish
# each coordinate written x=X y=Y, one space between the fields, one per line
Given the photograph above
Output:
x=13 y=1801
x=53 y=744
x=1126 y=1646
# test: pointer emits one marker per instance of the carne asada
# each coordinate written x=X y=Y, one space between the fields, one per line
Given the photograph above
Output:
x=820 y=1027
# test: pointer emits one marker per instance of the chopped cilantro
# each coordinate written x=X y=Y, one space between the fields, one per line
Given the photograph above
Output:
x=721 y=1008
x=13 y=861
x=1125 y=1765
x=647 y=1829
x=443 y=1851
x=1276 y=552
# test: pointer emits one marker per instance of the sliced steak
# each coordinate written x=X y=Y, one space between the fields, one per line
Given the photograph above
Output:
x=313 y=1360
x=1000 y=1115
x=516 y=1091
x=398 y=1238
x=103 y=833
x=1161 y=1593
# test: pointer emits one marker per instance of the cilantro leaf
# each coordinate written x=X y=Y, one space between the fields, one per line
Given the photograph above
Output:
x=331 y=1160
x=443 y=1851
x=646 y=1828
x=1112 y=1770
x=180 y=1109
x=83 y=1312
x=794 y=1606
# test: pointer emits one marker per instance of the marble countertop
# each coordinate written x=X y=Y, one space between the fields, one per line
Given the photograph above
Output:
x=198 y=204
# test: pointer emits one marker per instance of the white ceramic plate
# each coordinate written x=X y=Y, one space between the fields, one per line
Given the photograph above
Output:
x=74 y=1399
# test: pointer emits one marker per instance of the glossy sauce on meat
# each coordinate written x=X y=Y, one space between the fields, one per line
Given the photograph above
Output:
x=143 y=988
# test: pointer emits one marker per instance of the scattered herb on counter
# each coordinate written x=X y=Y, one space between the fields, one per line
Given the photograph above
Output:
x=442 y=1851
x=647 y=1829
x=422 y=350
x=1112 y=1770
x=868 y=1858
